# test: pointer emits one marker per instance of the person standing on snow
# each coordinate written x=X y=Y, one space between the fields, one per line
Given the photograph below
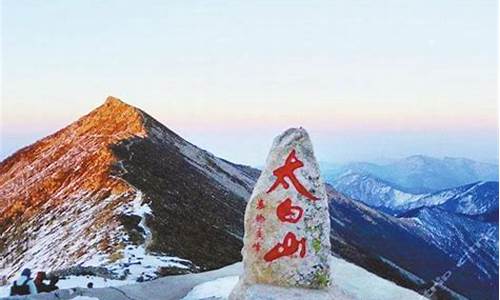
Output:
x=24 y=285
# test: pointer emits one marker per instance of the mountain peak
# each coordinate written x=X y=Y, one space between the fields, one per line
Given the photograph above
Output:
x=116 y=105
x=79 y=153
x=113 y=102
x=83 y=193
x=112 y=118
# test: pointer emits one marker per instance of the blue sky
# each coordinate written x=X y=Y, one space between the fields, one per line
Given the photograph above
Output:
x=368 y=79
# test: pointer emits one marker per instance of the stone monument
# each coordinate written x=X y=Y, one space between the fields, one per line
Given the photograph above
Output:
x=287 y=224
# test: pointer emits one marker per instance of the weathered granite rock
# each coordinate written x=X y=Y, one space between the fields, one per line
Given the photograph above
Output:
x=287 y=225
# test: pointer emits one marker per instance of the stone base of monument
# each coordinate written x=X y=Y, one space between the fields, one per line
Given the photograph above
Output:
x=270 y=292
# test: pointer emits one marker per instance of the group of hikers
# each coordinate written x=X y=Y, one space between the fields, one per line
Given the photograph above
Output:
x=26 y=285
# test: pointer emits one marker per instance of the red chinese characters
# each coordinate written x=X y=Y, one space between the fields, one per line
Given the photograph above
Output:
x=261 y=204
x=288 y=247
x=292 y=163
x=259 y=233
x=260 y=220
x=288 y=213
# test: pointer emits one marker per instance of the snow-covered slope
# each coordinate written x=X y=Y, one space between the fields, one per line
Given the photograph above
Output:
x=373 y=191
x=455 y=235
x=414 y=250
x=473 y=199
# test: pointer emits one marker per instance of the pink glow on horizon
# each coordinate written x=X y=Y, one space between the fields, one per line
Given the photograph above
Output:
x=321 y=116
x=353 y=123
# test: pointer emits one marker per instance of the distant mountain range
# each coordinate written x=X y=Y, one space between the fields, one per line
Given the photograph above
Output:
x=415 y=249
x=373 y=191
x=450 y=219
x=419 y=174
x=118 y=194
x=478 y=199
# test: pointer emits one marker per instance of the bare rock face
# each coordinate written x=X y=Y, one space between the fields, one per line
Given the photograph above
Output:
x=287 y=225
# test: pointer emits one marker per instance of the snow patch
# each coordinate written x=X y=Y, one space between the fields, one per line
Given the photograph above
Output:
x=218 y=288
x=136 y=263
x=349 y=280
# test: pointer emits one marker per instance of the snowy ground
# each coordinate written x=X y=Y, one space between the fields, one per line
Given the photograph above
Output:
x=352 y=280
x=355 y=281
x=136 y=261
x=77 y=281
x=4 y=290
x=218 y=288
x=130 y=263
x=364 y=285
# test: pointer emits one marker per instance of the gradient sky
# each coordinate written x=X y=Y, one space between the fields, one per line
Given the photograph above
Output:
x=369 y=79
